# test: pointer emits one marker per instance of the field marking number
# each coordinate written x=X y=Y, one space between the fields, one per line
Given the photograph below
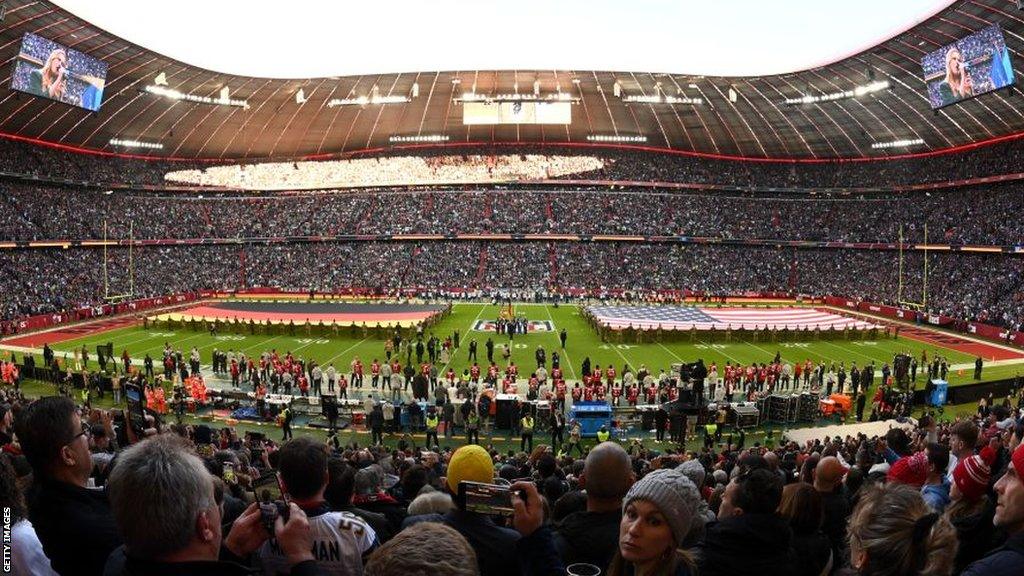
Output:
x=308 y=341
x=619 y=346
x=710 y=346
x=229 y=337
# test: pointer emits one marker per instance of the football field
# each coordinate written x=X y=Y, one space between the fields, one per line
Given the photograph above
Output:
x=582 y=342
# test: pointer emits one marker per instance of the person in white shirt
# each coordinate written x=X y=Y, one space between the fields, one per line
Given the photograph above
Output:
x=340 y=539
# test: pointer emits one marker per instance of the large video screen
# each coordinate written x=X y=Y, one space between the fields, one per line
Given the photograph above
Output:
x=967 y=68
x=45 y=68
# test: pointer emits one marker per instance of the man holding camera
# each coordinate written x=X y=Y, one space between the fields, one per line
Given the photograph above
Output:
x=164 y=501
x=340 y=540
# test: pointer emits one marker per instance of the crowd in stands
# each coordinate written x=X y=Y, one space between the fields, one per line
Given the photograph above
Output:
x=963 y=216
x=964 y=286
x=504 y=163
x=89 y=493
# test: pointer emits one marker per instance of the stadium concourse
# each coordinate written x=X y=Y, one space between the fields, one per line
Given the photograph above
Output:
x=472 y=319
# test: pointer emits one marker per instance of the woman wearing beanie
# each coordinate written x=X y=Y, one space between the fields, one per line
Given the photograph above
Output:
x=971 y=510
x=894 y=533
x=657 y=514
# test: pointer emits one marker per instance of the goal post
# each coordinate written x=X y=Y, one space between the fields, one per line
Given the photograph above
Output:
x=108 y=296
x=923 y=303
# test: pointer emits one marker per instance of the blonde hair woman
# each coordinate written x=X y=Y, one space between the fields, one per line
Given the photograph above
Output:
x=51 y=80
x=894 y=533
x=957 y=83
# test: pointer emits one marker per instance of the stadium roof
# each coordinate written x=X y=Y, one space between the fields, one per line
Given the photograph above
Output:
x=737 y=116
x=735 y=38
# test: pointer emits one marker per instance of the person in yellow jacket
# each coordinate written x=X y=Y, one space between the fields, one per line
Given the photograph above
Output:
x=526 y=424
x=603 y=434
x=432 y=422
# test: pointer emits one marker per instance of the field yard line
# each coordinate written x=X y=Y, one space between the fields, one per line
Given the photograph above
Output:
x=143 y=351
x=331 y=359
x=713 y=349
x=568 y=361
x=451 y=357
x=263 y=343
x=751 y=344
x=853 y=351
x=674 y=355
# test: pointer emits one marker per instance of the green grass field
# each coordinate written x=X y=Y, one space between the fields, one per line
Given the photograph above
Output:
x=582 y=342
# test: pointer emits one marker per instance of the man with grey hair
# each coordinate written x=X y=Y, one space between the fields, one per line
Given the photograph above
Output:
x=592 y=536
x=164 y=502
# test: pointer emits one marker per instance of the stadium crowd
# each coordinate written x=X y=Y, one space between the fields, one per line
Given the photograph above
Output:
x=89 y=493
x=964 y=286
x=492 y=163
x=964 y=216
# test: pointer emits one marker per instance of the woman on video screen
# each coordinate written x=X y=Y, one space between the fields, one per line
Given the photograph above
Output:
x=51 y=79
x=957 y=83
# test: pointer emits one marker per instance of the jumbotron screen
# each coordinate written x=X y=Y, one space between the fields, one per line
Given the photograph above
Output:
x=969 y=67
x=45 y=68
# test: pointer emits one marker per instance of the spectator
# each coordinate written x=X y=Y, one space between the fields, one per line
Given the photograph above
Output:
x=340 y=539
x=74 y=524
x=1009 y=516
x=828 y=482
x=893 y=532
x=970 y=510
x=658 y=513
x=27 y=556
x=801 y=506
x=164 y=502
x=591 y=536
x=494 y=545
x=748 y=521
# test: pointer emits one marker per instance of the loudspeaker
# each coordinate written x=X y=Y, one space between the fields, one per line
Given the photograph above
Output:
x=3 y=10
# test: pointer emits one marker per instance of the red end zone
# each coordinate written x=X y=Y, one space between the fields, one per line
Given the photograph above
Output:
x=70 y=332
x=954 y=342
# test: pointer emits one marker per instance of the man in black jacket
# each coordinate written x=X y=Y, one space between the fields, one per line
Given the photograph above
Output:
x=74 y=524
x=164 y=501
x=593 y=536
x=749 y=537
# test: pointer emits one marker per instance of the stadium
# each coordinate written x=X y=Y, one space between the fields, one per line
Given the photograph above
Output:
x=512 y=289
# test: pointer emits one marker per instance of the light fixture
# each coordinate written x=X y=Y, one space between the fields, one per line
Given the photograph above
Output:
x=300 y=97
x=869 y=88
x=662 y=99
x=616 y=138
x=176 y=95
x=897 y=143
x=368 y=101
x=418 y=138
x=161 y=79
x=557 y=96
x=136 y=144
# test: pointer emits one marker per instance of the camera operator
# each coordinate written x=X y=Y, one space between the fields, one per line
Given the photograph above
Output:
x=165 y=505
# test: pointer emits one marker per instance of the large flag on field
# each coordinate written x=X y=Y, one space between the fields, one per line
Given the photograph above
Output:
x=686 y=317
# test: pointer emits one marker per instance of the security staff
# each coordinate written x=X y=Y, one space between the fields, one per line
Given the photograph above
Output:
x=603 y=434
x=432 y=422
x=526 y=425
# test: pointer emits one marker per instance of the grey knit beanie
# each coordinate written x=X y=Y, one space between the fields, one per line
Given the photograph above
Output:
x=693 y=470
x=673 y=493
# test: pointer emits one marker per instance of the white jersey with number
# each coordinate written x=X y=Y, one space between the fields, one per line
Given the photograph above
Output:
x=340 y=540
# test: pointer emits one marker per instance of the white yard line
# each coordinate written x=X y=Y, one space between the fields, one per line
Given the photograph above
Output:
x=568 y=361
x=469 y=330
x=339 y=354
x=862 y=355
x=722 y=351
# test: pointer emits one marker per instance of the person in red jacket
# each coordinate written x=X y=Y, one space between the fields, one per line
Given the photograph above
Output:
x=374 y=374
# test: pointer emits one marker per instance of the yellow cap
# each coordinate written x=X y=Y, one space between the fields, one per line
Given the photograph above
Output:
x=472 y=464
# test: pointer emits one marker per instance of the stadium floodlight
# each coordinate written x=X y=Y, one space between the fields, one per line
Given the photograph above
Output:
x=897 y=143
x=136 y=144
x=662 y=99
x=557 y=96
x=616 y=138
x=368 y=101
x=176 y=95
x=418 y=138
x=870 y=88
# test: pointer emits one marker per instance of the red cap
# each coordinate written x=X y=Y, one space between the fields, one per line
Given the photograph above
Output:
x=911 y=470
x=972 y=474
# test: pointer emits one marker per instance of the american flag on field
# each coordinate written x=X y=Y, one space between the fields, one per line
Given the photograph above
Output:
x=685 y=317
